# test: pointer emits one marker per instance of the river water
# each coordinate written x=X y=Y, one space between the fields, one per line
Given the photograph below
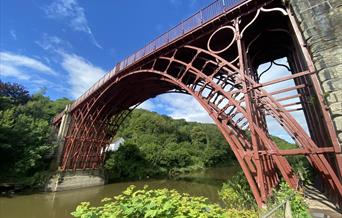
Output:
x=59 y=205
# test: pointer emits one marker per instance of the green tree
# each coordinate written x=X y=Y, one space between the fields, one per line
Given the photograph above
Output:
x=169 y=144
x=25 y=134
x=15 y=92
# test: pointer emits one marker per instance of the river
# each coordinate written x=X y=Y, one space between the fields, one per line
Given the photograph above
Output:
x=60 y=204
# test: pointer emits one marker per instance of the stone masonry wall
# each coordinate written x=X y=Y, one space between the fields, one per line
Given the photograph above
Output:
x=62 y=181
x=321 y=25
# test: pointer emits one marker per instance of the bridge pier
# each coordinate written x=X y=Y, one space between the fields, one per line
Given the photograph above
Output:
x=319 y=23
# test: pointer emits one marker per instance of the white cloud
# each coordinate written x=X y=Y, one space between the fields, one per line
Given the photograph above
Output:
x=26 y=70
x=82 y=74
x=10 y=71
x=147 y=105
x=14 y=64
x=277 y=72
x=71 y=12
x=178 y=106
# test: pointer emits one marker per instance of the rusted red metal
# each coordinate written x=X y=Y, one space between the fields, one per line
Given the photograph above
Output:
x=222 y=76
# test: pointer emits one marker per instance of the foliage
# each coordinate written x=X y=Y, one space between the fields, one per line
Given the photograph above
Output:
x=170 y=146
x=25 y=133
x=241 y=213
x=127 y=162
x=298 y=206
x=236 y=193
x=157 y=203
x=14 y=92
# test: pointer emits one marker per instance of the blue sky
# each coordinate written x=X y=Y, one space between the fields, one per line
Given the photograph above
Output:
x=67 y=45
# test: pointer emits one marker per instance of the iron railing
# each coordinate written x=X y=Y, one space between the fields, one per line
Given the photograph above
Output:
x=201 y=17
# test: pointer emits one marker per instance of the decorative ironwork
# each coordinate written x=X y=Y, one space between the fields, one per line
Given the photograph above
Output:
x=229 y=91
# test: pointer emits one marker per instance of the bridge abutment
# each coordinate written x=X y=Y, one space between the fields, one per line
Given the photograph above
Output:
x=320 y=23
x=69 y=180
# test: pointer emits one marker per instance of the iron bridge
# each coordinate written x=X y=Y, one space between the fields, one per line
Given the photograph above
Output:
x=214 y=56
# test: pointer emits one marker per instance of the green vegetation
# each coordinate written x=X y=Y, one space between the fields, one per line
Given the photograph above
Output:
x=160 y=145
x=25 y=134
x=298 y=206
x=156 y=203
x=236 y=193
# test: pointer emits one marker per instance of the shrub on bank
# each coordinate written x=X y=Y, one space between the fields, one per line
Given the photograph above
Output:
x=158 y=203
x=170 y=203
x=151 y=203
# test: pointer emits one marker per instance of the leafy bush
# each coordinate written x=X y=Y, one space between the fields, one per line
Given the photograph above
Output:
x=151 y=203
x=128 y=162
x=236 y=193
x=241 y=213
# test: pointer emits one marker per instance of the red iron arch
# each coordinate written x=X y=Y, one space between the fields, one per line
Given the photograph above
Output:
x=228 y=90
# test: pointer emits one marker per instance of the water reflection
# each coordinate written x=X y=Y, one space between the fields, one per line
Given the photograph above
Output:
x=60 y=204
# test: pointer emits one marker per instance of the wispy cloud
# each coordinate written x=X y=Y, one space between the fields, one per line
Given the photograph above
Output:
x=15 y=64
x=27 y=70
x=189 y=3
x=81 y=73
x=53 y=43
x=13 y=34
x=71 y=12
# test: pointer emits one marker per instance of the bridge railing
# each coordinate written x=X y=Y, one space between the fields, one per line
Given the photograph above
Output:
x=204 y=15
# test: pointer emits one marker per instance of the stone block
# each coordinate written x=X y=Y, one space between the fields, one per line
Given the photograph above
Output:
x=301 y=4
x=338 y=123
x=336 y=108
x=334 y=97
x=319 y=7
x=330 y=73
x=327 y=60
x=332 y=85
x=317 y=47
